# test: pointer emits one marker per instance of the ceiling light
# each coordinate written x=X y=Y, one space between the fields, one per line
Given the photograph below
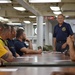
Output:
x=21 y=28
x=5 y=19
x=5 y=1
x=44 y=1
x=59 y=12
x=55 y=8
x=1 y=18
x=28 y=22
x=32 y=16
x=19 y=8
x=36 y=23
x=66 y=16
x=14 y=23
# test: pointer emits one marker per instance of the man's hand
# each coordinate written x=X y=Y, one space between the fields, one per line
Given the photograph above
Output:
x=54 y=49
x=69 y=41
x=40 y=51
x=27 y=40
x=64 y=45
x=17 y=55
x=72 y=37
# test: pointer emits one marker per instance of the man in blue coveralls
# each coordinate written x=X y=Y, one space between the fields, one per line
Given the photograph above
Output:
x=61 y=31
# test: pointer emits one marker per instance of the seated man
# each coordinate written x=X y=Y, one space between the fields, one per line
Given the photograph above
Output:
x=4 y=51
x=21 y=47
x=5 y=54
x=10 y=41
x=70 y=42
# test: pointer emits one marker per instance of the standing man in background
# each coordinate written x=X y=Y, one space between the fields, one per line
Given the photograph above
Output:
x=61 y=31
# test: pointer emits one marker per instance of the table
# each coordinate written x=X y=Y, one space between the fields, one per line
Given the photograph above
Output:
x=36 y=58
x=39 y=70
x=42 y=60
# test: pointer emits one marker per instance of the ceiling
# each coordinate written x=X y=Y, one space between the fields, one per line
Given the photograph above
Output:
x=7 y=11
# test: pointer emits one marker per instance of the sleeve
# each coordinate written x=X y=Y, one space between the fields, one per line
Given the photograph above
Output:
x=54 y=33
x=3 y=51
x=70 y=30
x=26 y=45
x=11 y=48
x=19 y=45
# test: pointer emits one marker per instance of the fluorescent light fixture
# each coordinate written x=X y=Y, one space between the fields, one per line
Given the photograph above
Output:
x=55 y=8
x=36 y=23
x=67 y=16
x=14 y=23
x=32 y=16
x=21 y=28
x=5 y=19
x=1 y=18
x=5 y=1
x=57 y=12
x=44 y=1
x=28 y=22
x=19 y=8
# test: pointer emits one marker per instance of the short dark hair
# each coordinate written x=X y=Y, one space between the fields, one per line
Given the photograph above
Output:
x=6 y=26
x=12 y=28
x=19 y=33
x=1 y=25
x=61 y=15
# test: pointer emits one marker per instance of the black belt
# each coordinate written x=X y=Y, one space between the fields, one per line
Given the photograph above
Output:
x=61 y=41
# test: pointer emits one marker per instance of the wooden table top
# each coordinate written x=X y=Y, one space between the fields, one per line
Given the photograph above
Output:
x=39 y=71
x=44 y=59
x=36 y=58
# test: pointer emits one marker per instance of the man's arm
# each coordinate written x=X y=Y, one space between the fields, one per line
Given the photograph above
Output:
x=54 y=39
x=8 y=57
x=72 y=53
x=30 y=51
x=70 y=42
x=54 y=42
x=65 y=44
x=6 y=54
x=17 y=55
x=30 y=43
x=72 y=37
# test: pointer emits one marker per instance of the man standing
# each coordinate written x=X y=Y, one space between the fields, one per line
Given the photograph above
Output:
x=61 y=31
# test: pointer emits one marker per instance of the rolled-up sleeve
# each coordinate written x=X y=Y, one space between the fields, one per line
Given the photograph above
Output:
x=3 y=51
